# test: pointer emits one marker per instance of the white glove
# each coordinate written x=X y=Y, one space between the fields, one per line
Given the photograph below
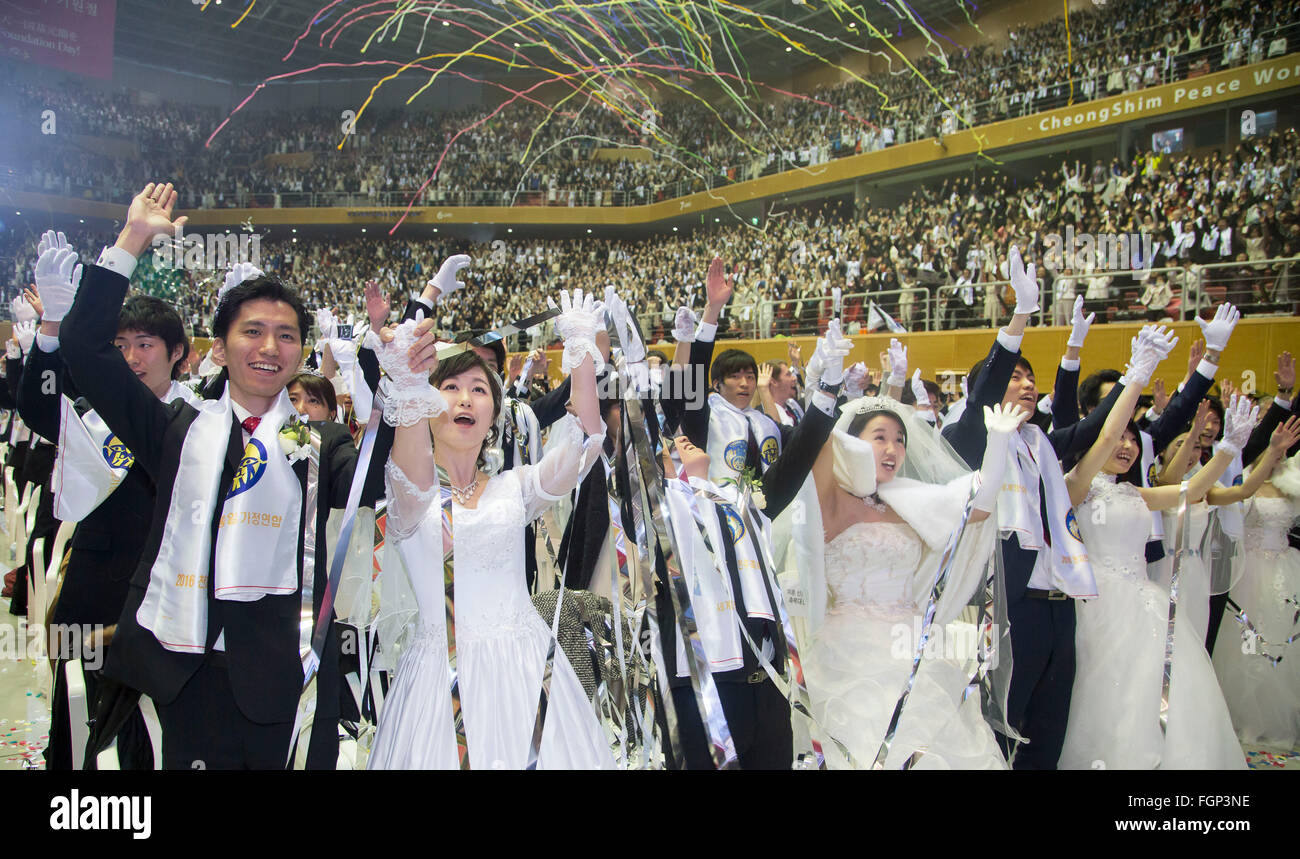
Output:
x=628 y=337
x=1080 y=323
x=1150 y=347
x=239 y=272
x=918 y=389
x=25 y=334
x=1217 y=331
x=684 y=325
x=445 y=280
x=51 y=239
x=328 y=324
x=855 y=380
x=834 y=350
x=964 y=393
x=581 y=316
x=1000 y=421
x=58 y=275
x=21 y=310
x=1023 y=282
x=13 y=350
x=1239 y=418
x=897 y=364
x=410 y=398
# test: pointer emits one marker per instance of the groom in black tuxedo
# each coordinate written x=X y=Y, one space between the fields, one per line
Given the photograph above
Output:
x=232 y=705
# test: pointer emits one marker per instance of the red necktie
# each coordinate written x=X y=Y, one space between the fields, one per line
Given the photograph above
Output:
x=250 y=424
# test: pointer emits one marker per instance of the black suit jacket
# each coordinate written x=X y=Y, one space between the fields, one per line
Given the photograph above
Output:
x=261 y=637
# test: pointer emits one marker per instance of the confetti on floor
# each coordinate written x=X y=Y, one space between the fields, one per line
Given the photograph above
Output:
x=1260 y=759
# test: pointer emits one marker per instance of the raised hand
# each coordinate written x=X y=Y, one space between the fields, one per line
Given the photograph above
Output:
x=836 y=348
x=1159 y=396
x=58 y=275
x=897 y=363
x=21 y=310
x=149 y=215
x=239 y=272
x=684 y=325
x=409 y=355
x=25 y=334
x=1024 y=283
x=856 y=379
x=1284 y=375
x=514 y=367
x=34 y=298
x=377 y=305
x=444 y=283
x=793 y=355
x=1004 y=418
x=1239 y=418
x=1194 y=357
x=1217 y=331
x=717 y=285
x=581 y=316
x=51 y=239
x=1079 y=324
x=1286 y=435
x=1149 y=348
x=328 y=324
x=918 y=389
x=764 y=376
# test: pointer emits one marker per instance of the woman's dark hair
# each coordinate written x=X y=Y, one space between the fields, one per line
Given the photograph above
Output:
x=1134 y=473
x=1216 y=406
x=731 y=361
x=1090 y=388
x=859 y=423
x=266 y=287
x=318 y=387
x=145 y=314
x=463 y=363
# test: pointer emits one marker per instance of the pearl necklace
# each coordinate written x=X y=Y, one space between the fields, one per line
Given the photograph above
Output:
x=459 y=495
x=873 y=501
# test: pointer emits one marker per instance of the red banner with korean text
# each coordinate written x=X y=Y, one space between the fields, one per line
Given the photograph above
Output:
x=73 y=35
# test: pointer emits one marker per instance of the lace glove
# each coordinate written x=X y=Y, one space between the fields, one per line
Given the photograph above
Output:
x=684 y=325
x=445 y=280
x=579 y=320
x=835 y=348
x=410 y=398
x=1217 y=331
x=1150 y=347
x=25 y=334
x=855 y=380
x=58 y=275
x=1000 y=421
x=239 y=272
x=1023 y=282
x=897 y=364
x=628 y=337
x=21 y=310
x=1239 y=418
x=1079 y=324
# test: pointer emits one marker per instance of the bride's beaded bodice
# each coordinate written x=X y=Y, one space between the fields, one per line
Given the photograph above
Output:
x=1268 y=521
x=1115 y=523
x=870 y=565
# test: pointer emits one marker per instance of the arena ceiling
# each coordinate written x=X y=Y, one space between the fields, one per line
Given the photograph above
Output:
x=182 y=35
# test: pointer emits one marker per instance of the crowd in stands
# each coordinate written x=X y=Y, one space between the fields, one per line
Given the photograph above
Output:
x=525 y=154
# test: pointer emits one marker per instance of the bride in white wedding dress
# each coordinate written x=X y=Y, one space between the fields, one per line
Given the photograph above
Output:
x=869 y=582
x=498 y=642
x=1114 y=720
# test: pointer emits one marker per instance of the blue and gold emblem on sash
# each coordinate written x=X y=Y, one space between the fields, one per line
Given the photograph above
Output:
x=734 y=455
x=251 y=468
x=1151 y=475
x=734 y=524
x=769 y=450
x=116 y=453
x=1072 y=525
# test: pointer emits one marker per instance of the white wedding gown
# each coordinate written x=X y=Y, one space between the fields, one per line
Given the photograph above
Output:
x=501 y=640
x=1264 y=698
x=1193 y=572
x=1114 y=720
x=860 y=658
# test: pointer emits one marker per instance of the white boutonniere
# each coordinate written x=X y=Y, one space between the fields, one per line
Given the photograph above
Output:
x=295 y=440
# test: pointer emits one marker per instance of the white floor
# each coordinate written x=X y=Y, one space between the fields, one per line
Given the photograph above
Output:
x=24 y=705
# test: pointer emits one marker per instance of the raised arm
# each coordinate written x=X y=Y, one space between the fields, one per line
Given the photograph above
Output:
x=1179 y=464
x=1065 y=393
x=1282 y=439
x=1238 y=420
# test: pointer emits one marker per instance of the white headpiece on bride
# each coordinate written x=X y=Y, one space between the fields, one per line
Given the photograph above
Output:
x=855 y=461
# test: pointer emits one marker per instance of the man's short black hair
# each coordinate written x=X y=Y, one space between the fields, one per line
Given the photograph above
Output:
x=497 y=346
x=270 y=288
x=731 y=361
x=1090 y=388
x=145 y=314
x=1022 y=363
